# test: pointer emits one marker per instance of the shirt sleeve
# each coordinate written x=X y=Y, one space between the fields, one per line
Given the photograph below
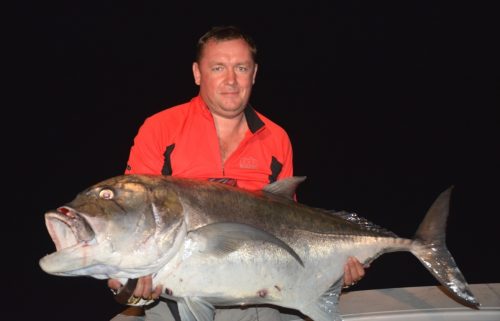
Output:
x=146 y=155
x=287 y=169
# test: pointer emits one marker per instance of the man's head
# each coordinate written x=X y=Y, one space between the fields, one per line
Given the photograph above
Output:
x=224 y=33
x=225 y=70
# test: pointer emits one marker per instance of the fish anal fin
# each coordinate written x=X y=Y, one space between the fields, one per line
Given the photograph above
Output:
x=325 y=308
x=195 y=309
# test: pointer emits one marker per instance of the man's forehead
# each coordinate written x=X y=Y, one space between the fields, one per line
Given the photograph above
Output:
x=227 y=49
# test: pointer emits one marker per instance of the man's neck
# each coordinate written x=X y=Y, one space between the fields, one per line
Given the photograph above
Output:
x=230 y=132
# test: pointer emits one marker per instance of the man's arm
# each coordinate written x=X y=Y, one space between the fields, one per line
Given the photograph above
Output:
x=146 y=154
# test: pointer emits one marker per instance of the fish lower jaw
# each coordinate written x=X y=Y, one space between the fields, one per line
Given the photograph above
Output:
x=53 y=266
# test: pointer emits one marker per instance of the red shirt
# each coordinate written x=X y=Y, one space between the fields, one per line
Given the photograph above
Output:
x=182 y=141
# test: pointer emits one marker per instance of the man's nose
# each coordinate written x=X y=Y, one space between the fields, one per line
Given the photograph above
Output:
x=231 y=77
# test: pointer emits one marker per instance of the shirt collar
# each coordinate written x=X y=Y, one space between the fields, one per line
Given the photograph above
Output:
x=253 y=120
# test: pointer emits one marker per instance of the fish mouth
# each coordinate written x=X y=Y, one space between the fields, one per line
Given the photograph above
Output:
x=68 y=228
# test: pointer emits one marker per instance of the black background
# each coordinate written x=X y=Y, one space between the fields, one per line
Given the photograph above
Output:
x=387 y=104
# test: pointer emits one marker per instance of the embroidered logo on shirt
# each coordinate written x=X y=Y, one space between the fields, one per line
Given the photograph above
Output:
x=248 y=163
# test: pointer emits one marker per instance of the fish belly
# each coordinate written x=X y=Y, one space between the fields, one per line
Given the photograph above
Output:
x=258 y=273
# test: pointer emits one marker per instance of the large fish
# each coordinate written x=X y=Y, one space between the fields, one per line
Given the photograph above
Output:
x=215 y=245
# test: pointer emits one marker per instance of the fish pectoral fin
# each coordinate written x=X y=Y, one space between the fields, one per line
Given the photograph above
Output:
x=224 y=238
x=326 y=307
x=195 y=309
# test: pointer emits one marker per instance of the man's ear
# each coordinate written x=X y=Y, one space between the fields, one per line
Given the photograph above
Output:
x=196 y=73
x=254 y=74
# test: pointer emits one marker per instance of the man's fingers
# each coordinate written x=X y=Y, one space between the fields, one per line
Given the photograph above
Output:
x=114 y=284
x=348 y=280
x=147 y=287
x=353 y=272
x=360 y=270
x=157 y=292
x=144 y=288
x=139 y=287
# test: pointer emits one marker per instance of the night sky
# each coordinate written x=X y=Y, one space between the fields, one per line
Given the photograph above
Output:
x=387 y=104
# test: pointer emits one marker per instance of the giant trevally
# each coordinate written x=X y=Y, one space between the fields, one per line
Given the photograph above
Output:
x=213 y=244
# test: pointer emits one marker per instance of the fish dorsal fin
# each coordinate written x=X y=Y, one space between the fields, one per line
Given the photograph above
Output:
x=363 y=223
x=195 y=309
x=326 y=308
x=223 y=238
x=285 y=187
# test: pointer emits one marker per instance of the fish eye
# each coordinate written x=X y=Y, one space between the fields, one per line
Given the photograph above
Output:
x=106 y=194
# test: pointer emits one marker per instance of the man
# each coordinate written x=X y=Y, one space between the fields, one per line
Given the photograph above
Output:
x=216 y=136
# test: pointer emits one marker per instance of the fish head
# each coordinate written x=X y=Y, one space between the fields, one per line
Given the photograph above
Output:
x=123 y=227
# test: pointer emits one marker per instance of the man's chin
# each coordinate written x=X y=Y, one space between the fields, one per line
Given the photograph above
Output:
x=230 y=110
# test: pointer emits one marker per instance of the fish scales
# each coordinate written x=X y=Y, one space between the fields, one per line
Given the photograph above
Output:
x=273 y=212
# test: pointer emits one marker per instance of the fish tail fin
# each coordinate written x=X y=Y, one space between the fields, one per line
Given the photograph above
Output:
x=430 y=248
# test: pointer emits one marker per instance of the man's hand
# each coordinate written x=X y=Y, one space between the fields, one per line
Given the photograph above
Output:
x=353 y=272
x=143 y=289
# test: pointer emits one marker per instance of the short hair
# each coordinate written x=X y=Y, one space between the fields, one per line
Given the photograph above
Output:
x=223 y=33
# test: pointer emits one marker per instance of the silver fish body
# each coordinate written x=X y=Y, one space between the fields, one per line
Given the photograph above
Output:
x=216 y=245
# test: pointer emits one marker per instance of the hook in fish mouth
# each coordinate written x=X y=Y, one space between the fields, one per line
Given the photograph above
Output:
x=68 y=228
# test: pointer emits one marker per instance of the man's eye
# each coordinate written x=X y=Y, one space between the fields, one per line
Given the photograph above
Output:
x=243 y=68
x=217 y=68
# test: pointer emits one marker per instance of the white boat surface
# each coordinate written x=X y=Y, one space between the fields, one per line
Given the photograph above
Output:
x=425 y=303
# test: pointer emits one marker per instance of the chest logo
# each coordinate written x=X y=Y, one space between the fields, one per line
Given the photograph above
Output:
x=248 y=163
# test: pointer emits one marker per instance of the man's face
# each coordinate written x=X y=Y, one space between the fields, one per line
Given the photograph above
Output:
x=225 y=73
